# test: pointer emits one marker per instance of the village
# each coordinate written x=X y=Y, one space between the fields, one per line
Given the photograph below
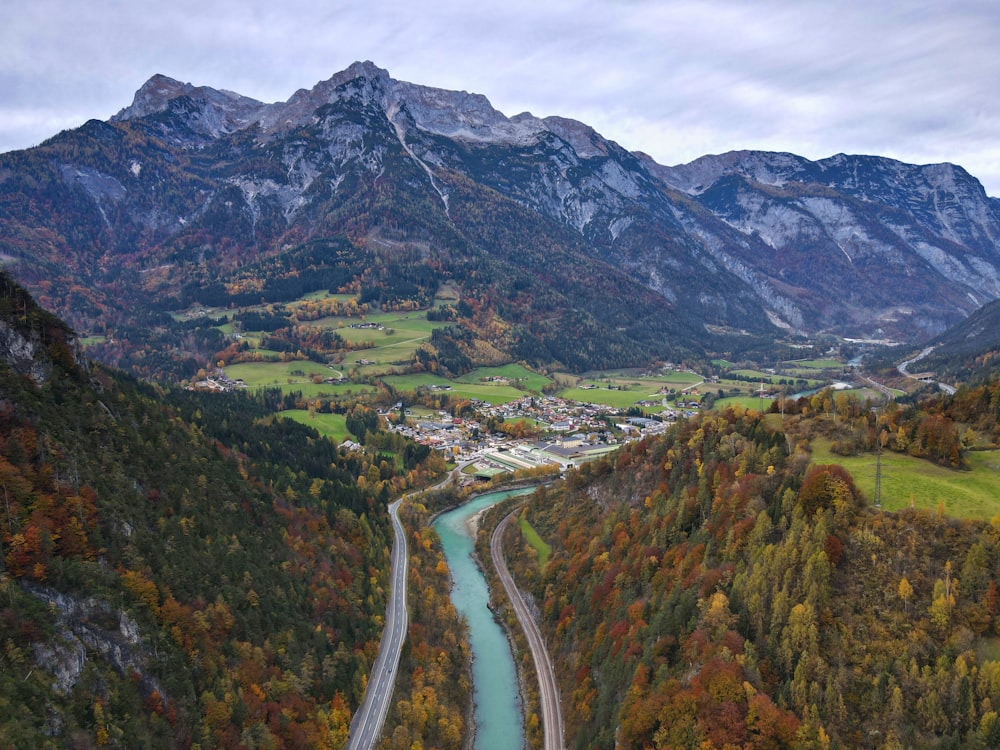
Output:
x=532 y=432
x=570 y=433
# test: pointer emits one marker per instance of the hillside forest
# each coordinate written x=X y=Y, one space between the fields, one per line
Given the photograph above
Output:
x=715 y=588
x=179 y=569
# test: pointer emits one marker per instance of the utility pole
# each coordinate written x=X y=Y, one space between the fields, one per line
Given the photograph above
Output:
x=878 y=469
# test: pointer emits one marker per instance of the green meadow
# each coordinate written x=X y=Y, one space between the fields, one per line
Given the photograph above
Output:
x=530 y=381
x=816 y=364
x=492 y=393
x=537 y=543
x=627 y=390
x=617 y=398
x=333 y=426
x=747 y=402
x=286 y=375
x=974 y=493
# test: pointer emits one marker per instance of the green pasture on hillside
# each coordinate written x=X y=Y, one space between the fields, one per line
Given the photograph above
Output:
x=816 y=364
x=756 y=375
x=279 y=375
x=628 y=390
x=619 y=399
x=746 y=402
x=537 y=543
x=964 y=494
x=333 y=426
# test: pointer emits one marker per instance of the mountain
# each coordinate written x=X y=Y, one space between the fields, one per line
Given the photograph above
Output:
x=363 y=183
x=907 y=245
x=969 y=350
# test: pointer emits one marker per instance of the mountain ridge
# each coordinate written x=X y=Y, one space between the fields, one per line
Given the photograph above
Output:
x=188 y=184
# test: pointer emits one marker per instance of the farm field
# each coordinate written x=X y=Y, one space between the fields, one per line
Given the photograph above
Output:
x=531 y=381
x=963 y=494
x=816 y=364
x=294 y=376
x=492 y=393
x=619 y=399
x=776 y=378
x=747 y=402
x=627 y=389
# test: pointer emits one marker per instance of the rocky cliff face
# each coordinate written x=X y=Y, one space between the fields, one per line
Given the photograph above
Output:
x=90 y=628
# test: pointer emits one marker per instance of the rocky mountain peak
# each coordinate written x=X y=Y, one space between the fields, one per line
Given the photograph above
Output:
x=152 y=97
x=586 y=141
x=212 y=112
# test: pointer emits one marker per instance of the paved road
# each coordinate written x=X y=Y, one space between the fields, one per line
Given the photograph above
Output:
x=366 y=727
x=552 y=723
x=902 y=367
x=367 y=724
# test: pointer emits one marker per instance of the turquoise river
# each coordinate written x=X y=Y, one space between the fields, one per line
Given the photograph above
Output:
x=499 y=721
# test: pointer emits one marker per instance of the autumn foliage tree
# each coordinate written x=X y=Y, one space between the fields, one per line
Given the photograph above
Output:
x=711 y=588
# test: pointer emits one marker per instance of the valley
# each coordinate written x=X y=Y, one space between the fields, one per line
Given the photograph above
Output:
x=292 y=315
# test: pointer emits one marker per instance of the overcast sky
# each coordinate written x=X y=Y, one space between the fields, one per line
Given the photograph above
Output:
x=917 y=81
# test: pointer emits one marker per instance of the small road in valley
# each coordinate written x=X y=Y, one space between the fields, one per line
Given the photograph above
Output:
x=552 y=723
x=367 y=724
x=902 y=367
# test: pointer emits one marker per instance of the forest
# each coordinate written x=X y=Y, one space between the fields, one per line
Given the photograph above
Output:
x=179 y=569
x=715 y=588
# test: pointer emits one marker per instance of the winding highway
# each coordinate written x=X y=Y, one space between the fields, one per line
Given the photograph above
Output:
x=552 y=723
x=366 y=726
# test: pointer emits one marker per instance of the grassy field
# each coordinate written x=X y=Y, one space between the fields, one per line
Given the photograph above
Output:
x=620 y=399
x=816 y=364
x=279 y=375
x=531 y=537
x=491 y=393
x=747 y=402
x=627 y=390
x=532 y=381
x=963 y=494
x=756 y=375
x=394 y=346
x=333 y=426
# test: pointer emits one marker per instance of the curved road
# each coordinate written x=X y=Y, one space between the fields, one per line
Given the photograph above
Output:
x=552 y=724
x=366 y=727
x=902 y=367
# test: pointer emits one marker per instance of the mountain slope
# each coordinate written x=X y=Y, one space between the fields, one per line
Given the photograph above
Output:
x=711 y=588
x=914 y=247
x=176 y=568
x=969 y=350
x=192 y=194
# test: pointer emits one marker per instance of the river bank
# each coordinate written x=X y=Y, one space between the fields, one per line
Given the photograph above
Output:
x=499 y=719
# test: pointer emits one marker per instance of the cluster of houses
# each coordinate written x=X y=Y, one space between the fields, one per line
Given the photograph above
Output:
x=576 y=432
x=218 y=381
